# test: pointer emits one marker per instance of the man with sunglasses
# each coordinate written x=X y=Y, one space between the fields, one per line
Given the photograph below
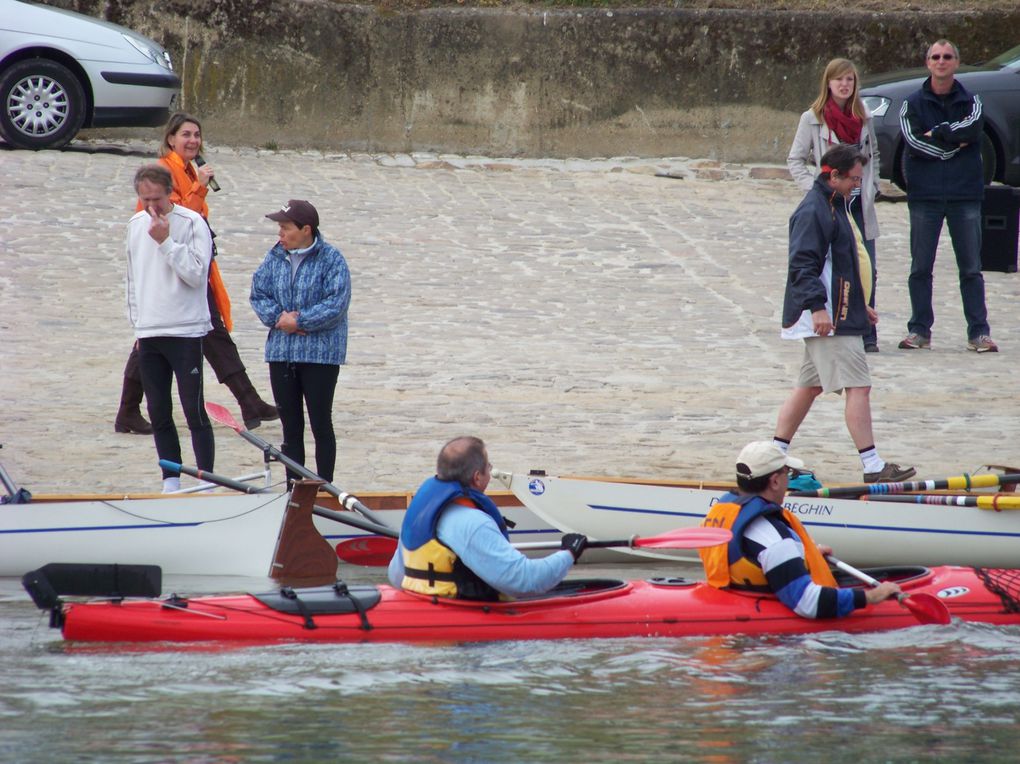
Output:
x=942 y=127
x=826 y=305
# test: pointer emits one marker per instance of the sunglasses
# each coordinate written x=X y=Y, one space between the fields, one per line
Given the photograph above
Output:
x=942 y=56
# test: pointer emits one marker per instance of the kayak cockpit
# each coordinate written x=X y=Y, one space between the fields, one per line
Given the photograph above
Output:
x=904 y=575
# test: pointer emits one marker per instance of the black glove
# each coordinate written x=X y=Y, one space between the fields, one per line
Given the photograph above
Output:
x=574 y=543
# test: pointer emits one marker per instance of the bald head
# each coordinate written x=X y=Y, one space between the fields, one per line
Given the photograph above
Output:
x=465 y=461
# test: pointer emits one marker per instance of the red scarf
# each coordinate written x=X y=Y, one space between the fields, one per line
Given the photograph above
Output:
x=844 y=124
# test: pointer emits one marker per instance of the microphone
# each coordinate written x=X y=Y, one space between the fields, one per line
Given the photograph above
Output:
x=212 y=181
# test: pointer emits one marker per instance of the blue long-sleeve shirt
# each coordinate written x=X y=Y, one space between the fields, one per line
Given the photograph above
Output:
x=475 y=539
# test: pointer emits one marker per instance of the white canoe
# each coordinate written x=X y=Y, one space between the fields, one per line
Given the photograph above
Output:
x=861 y=532
x=216 y=534
x=185 y=534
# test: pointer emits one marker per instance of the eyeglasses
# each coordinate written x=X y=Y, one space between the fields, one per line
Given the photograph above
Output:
x=942 y=56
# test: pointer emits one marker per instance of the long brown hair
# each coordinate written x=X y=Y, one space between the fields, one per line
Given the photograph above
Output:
x=177 y=120
x=837 y=68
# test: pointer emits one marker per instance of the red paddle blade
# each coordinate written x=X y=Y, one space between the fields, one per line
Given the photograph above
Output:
x=927 y=608
x=685 y=538
x=221 y=414
x=370 y=551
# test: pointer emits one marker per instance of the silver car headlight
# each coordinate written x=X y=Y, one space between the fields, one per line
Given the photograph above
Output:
x=156 y=55
x=877 y=105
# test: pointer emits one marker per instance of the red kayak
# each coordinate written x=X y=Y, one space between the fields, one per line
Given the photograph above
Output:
x=581 y=609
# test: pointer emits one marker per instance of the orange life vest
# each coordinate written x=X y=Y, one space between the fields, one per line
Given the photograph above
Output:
x=726 y=566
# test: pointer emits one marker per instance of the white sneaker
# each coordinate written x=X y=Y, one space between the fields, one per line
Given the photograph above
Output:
x=171 y=484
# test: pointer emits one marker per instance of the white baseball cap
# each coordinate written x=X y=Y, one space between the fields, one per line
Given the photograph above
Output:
x=763 y=457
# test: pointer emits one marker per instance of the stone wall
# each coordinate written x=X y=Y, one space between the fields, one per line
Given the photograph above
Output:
x=656 y=82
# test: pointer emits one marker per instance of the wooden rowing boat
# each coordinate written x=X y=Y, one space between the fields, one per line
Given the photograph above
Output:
x=187 y=534
x=864 y=532
x=226 y=534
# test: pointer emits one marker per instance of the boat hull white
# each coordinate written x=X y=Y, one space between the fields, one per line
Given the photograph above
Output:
x=208 y=534
x=865 y=533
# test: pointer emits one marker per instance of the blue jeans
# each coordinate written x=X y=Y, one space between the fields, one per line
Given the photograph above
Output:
x=964 y=220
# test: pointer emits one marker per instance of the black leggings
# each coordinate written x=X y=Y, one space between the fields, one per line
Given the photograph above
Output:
x=160 y=359
x=296 y=385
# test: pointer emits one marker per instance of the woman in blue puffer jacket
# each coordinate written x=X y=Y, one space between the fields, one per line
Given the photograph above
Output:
x=301 y=292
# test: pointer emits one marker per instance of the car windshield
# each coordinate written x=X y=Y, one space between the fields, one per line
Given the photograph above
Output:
x=1010 y=58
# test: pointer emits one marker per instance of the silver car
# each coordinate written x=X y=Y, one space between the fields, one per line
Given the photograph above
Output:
x=61 y=71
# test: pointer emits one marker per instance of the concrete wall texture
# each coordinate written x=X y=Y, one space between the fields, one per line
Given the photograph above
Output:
x=723 y=84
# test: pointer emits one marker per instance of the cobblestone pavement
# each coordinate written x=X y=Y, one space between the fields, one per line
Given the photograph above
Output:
x=615 y=317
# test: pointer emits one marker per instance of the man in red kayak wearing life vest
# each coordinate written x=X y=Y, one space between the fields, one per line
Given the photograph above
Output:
x=455 y=543
x=770 y=550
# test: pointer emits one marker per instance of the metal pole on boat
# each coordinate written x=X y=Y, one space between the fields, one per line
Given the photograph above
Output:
x=17 y=495
x=222 y=415
x=340 y=517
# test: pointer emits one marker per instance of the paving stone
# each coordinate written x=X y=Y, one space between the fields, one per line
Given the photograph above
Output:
x=580 y=319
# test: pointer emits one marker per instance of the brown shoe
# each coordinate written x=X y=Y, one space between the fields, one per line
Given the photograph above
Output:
x=255 y=412
x=131 y=421
x=891 y=473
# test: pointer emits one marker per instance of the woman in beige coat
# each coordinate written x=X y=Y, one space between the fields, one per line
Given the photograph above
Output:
x=839 y=116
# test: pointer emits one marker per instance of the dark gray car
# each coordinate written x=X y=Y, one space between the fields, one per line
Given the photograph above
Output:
x=998 y=84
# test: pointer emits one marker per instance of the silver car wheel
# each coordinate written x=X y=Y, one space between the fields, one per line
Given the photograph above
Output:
x=38 y=105
x=43 y=104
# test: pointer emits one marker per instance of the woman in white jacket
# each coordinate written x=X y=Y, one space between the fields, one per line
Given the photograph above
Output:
x=839 y=116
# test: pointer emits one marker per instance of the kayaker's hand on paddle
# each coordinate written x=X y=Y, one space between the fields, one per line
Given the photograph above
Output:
x=882 y=592
x=575 y=544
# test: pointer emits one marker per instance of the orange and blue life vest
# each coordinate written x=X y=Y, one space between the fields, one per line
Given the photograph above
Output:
x=727 y=566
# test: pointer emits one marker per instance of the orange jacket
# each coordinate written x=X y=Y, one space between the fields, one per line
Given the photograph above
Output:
x=189 y=192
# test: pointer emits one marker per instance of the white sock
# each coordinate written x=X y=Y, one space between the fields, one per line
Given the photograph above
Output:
x=781 y=444
x=171 y=484
x=871 y=460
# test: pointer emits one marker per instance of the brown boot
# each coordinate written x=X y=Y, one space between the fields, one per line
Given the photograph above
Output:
x=253 y=409
x=129 y=415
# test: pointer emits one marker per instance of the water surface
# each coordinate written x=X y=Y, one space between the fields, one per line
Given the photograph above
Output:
x=921 y=694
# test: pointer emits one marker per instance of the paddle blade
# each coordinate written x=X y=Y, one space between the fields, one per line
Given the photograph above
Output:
x=370 y=551
x=221 y=414
x=685 y=538
x=927 y=608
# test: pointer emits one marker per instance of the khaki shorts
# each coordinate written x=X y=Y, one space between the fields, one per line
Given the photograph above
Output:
x=834 y=363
